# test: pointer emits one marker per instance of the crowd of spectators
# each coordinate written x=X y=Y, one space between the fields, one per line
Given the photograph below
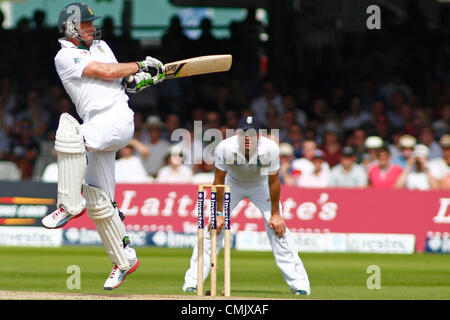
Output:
x=373 y=112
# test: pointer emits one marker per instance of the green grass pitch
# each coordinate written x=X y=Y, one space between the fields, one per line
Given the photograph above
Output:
x=253 y=274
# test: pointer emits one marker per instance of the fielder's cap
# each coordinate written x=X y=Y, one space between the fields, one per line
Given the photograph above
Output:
x=154 y=121
x=286 y=149
x=348 y=152
x=373 y=142
x=248 y=122
x=421 y=150
x=444 y=141
x=407 y=141
x=318 y=154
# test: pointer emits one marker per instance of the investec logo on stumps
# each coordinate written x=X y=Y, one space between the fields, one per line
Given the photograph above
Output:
x=213 y=211
x=200 y=209
x=226 y=210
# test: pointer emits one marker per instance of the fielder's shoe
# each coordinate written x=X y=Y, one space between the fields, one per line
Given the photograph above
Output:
x=190 y=290
x=117 y=276
x=301 y=293
x=60 y=217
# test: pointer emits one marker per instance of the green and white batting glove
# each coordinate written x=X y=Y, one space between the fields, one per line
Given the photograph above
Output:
x=137 y=82
x=154 y=67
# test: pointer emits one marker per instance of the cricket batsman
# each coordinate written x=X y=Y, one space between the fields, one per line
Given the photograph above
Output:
x=86 y=152
x=249 y=164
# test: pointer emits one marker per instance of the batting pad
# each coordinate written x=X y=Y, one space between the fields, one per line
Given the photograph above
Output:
x=108 y=223
x=69 y=145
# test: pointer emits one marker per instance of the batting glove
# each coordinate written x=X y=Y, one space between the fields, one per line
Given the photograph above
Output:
x=154 y=67
x=137 y=82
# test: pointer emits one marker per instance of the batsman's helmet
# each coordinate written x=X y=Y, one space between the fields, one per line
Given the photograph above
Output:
x=71 y=16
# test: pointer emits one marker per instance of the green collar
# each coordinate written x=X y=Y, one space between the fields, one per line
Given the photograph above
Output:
x=83 y=48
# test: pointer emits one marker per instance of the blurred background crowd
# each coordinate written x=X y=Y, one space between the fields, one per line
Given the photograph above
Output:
x=373 y=111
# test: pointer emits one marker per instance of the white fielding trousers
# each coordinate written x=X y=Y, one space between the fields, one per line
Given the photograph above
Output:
x=284 y=249
x=105 y=132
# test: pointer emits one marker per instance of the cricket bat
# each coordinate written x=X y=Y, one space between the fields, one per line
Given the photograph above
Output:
x=198 y=65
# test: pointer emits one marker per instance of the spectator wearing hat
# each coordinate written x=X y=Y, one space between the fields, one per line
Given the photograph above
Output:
x=174 y=172
x=348 y=173
x=417 y=175
x=372 y=144
x=440 y=167
x=319 y=176
x=406 y=145
x=384 y=174
x=157 y=145
x=286 y=158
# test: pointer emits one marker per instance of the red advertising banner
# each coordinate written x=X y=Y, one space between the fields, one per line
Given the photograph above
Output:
x=153 y=207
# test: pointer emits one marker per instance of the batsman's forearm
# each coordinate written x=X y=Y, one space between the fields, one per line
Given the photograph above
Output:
x=121 y=70
x=110 y=71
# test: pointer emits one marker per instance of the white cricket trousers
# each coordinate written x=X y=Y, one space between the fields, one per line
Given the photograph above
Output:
x=105 y=132
x=284 y=249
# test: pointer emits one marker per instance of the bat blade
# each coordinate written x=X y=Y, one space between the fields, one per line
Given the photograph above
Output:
x=198 y=65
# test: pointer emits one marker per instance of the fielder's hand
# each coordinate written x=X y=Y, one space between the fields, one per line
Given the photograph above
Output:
x=137 y=82
x=277 y=223
x=154 y=67
x=220 y=222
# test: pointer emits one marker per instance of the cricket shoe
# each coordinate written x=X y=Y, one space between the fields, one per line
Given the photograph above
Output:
x=301 y=293
x=60 y=217
x=117 y=276
x=189 y=288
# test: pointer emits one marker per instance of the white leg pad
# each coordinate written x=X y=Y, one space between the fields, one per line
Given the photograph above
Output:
x=69 y=145
x=108 y=223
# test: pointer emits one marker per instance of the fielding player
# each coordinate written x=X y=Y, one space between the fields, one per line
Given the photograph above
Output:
x=92 y=78
x=249 y=164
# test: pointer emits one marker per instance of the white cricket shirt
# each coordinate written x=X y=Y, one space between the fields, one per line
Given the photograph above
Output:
x=265 y=161
x=87 y=93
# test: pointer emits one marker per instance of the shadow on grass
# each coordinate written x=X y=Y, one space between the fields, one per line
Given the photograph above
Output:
x=261 y=292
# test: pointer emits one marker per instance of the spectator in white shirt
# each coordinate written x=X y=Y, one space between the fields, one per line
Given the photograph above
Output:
x=305 y=164
x=348 y=173
x=129 y=167
x=319 y=177
x=417 y=175
x=175 y=171
x=440 y=167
